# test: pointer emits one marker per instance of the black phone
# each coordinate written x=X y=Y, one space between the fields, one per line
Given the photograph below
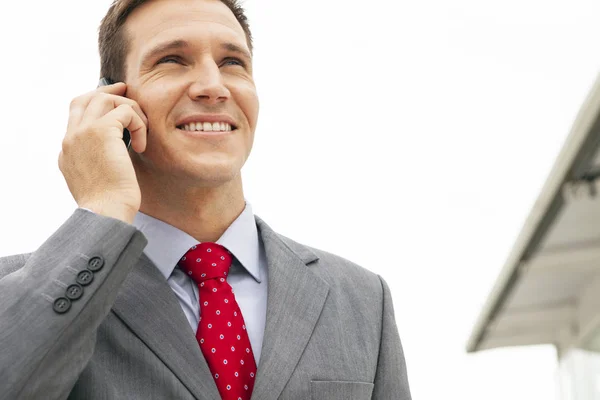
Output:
x=126 y=134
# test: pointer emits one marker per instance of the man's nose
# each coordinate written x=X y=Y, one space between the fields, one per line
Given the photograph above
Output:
x=208 y=85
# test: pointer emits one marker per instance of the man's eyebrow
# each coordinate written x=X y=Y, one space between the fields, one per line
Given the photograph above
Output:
x=236 y=49
x=163 y=48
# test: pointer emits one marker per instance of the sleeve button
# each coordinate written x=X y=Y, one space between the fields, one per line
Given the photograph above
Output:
x=74 y=292
x=85 y=277
x=62 y=305
x=95 y=264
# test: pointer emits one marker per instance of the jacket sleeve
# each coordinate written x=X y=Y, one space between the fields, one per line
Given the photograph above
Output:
x=391 y=380
x=48 y=324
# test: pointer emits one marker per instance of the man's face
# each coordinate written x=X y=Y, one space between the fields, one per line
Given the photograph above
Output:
x=189 y=61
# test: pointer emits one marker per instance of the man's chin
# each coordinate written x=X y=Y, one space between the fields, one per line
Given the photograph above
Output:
x=201 y=170
x=210 y=176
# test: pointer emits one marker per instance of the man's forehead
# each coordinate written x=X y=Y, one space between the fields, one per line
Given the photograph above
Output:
x=160 y=20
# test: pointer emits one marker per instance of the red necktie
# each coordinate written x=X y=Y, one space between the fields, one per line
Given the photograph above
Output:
x=221 y=331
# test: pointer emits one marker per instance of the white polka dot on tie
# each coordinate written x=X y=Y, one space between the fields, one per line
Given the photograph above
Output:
x=221 y=336
x=202 y=284
x=198 y=259
x=228 y=386
x=203 y=275
x=228 y=323
x=247 y=350
x=244 y=327
x=242 y=362
x=183 y=258
x=222 y=257
x=206 y=303
x=235 y=313
x=239 y=337
x=214 y=290
x=246 y=387
x=222 y=279
x=194 y=247
x=214 y=264
x=213 y=350
x=251 y=374
x=236 y=374
x=189 y=273
x=232 y=348
x=216 y=376
x=226 y=301
x=218 y=312
x=224 y=361
x=209 y=326
x=201 y=341
x=208 y=250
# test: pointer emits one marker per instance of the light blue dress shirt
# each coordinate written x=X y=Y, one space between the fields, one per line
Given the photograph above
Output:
x=247 y=276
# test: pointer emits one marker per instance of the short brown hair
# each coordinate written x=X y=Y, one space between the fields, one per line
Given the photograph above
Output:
x=113 y=44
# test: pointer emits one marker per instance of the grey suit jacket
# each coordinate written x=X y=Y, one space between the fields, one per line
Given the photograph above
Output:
x=330 y=330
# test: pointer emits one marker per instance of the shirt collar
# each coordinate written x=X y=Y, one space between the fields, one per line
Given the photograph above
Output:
x=167 y=244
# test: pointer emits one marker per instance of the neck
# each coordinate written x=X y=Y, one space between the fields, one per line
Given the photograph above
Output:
x=204 y=213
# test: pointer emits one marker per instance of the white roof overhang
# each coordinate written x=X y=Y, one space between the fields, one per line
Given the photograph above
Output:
x=552 y=268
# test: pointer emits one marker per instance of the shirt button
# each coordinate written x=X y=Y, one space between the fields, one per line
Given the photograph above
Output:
x=85 y=277
x=74 y=292
x=95 y=264
x=62 y=305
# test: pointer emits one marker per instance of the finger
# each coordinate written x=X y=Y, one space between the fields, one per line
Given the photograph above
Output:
x=126 y=117
x=77 y=109
x=118 y=89
x=104 y=103
x=79 y=104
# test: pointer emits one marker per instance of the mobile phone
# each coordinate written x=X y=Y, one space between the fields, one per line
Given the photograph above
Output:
x=126 y=134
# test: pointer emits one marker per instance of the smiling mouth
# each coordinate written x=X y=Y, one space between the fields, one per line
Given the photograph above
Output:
x=207 y=127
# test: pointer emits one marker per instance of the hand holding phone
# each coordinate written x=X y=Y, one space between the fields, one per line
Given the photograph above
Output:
x=96 y=165
x=126 y=134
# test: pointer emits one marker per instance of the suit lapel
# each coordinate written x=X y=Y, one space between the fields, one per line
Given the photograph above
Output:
x=296 y=296
x=147 y=304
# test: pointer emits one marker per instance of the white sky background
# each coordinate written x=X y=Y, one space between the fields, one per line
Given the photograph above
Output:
x=410 y=137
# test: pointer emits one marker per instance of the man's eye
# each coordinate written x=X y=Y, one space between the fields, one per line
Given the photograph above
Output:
x=169 y=59
x=237 y=61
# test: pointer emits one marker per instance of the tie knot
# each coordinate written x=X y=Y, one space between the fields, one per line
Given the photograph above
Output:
x=206 y=260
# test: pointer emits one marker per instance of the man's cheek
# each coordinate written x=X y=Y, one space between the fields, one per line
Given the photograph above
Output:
x=250 y=107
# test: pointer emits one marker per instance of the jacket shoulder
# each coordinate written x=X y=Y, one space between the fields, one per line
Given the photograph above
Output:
x=336 y=270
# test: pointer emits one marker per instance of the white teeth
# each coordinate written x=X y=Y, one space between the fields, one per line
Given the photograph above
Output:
x=207 y=127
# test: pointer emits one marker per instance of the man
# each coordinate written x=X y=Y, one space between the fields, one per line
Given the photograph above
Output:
x=163 y=284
